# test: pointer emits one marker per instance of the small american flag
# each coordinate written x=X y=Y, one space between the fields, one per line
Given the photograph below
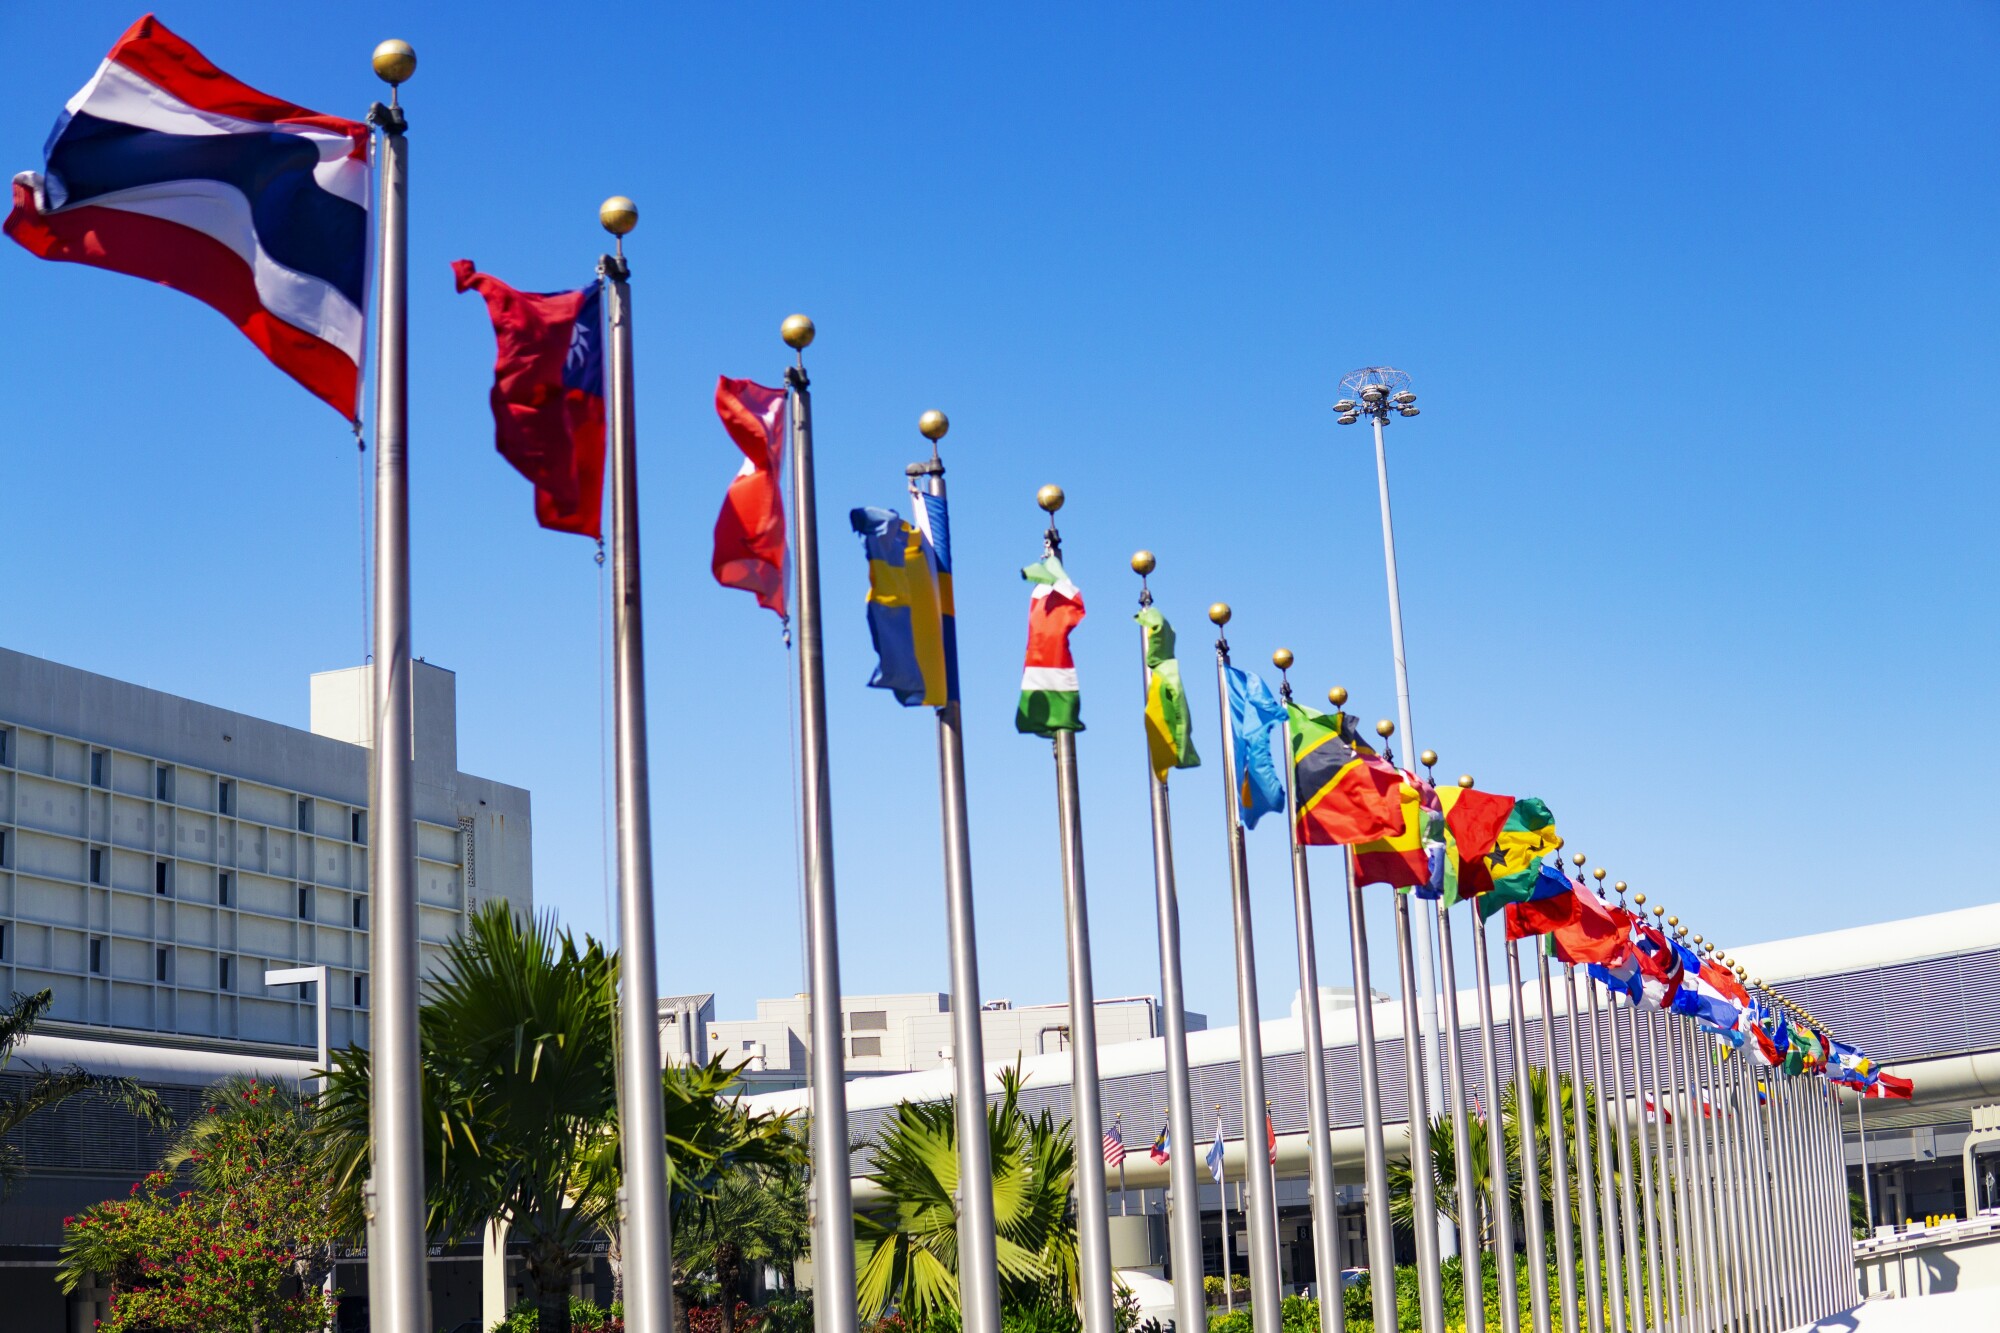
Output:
x=1114 y=1147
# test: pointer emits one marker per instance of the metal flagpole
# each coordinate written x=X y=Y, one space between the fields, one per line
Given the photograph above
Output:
x=1184 y=1224
x=1627 y=1211
x=1867 y=1190
x=1696 y=1173
x=1729 y=1229
x=1265 y=1311
x=1496 y=1138
x=1222 y=1192
x=393 y=1195
x=1383 y=390
x=1319 y=1110
x=1614 y=1250
x=832 y=1217
x=1423 y=1188
x=1751 y=1127
x=1093 y=1229
x=648 y=1235
x=1586 y=1174
x=1531 y=1163
x=1471 y=1271
x=1783 y=1184
x=1472 y=1280
x=1673 y=1215
x=1375 y=1156
x=979 y=1279
x=1558 y=1151
x=1653 y=1310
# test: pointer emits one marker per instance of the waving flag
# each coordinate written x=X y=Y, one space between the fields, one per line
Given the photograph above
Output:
x=1050 y=699
x=1214 y=1157
x=1622 y=977
x=1773 y=1039
x=910 y=616
x=1546 y=905
x=1114 y=1147
x=1346 y=792
x=1270 y=1138
x=1659 y=965
x=1472 y=823
x=1163 y=1147
x=1888 y=1085
x=750 y=530
x=548 y=395
x=1169 y=735
x=164 y=167
x=1655 y=1112
x=1515 y=863
x=1403 y=859
x=1253 y=711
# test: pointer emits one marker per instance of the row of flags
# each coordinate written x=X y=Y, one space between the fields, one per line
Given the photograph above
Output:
x=167 y=168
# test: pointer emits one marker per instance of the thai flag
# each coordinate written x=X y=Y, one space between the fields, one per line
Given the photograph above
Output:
x=164 y=167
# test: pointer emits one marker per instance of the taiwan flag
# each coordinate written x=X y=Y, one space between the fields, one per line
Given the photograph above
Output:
x=548 y=395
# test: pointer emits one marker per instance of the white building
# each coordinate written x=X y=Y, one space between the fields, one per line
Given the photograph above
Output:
x=157 y=854
x=898 y=1034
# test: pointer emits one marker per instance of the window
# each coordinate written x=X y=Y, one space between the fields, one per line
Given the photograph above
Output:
x=222 y=888
x=749 y=1045
x=305 y=815
x=97 y=765
x=868 y=1020
x=357 y=825
x=360 y=990
x=3 y=847
x=3 y=939
x=222 y=974
x=359 y=918
x=865 y=1046
x=160 y=878
x=225 y=791
x=162 y=783
x=159 y=964
x=97 y=865
x=6 y=745
x=97 y=956
x=305 y=902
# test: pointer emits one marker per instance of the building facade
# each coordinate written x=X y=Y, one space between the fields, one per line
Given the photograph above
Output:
x=158 y=854
x=898 y=1034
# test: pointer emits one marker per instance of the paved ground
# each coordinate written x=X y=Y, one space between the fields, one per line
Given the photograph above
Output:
x=1976 y=1311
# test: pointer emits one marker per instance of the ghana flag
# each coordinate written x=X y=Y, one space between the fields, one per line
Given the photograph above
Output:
x=1472 y=824
x=1527 y=836
x=1346 y=792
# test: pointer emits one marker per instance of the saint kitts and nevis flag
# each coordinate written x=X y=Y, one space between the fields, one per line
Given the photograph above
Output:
x=1346 y=793
x=163 y=167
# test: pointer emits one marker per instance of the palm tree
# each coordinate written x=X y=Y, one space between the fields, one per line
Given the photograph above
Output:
x=756 y=1216
x=49 y=1088
x=907 y=1250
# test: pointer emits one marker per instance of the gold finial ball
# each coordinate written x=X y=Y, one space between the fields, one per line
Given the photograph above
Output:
x=1282 y=659
x=1428 y=758
x=1682 y=932
x=1658 y=910
x=1465 y=779
x=395 y=61
x=1219 y=613
x=1697 y=937
x=1577 y=858
x=1598 y=874
x=798 y=332
x=1143 y=563
x=934 y=424
x=1385 y=728
x=1619 y=886
x=618 y=214
x=1639 y=897
x=1050 y=498
x=1673 y=921
x=1337 y=696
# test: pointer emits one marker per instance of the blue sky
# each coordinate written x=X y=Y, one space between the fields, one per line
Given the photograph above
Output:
x=1695 y=528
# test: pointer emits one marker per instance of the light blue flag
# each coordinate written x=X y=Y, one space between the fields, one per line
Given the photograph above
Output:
x=1215 y=1153
x=1253 y=711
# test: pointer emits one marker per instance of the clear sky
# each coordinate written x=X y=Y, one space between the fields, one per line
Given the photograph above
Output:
x=1696 y=527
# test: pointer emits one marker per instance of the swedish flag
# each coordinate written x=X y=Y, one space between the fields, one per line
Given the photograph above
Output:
x=910 y=614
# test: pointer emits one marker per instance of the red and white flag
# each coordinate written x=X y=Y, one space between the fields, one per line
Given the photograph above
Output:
x=750 y=530
x=1653 y=1113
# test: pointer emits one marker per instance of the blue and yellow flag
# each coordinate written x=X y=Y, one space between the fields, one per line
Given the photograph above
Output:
x=910 y=614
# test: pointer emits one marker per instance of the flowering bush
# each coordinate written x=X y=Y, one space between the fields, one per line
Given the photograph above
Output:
x=244 y=1250
x=708 y=1318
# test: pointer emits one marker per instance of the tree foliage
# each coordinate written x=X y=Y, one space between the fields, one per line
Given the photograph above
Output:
x=238 y=1241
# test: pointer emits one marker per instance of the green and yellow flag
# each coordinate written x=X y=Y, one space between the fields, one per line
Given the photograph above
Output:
x=1527 y=837
x=1168 y=741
